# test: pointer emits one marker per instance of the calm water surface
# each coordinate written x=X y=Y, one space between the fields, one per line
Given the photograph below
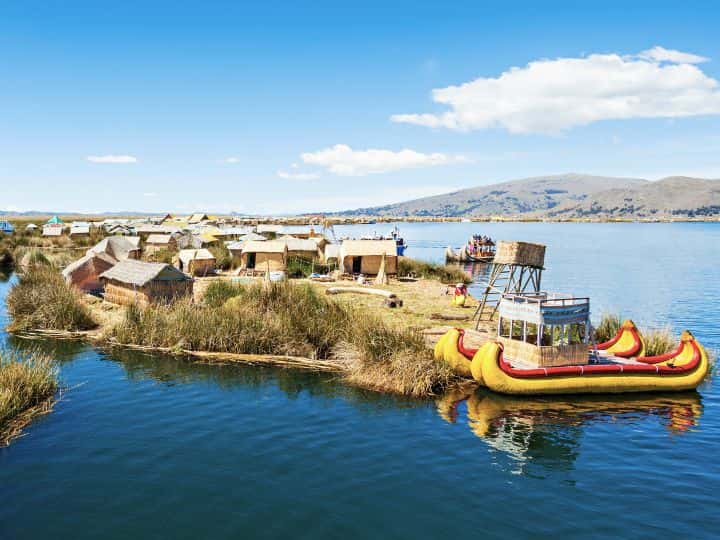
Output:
x=144 y=446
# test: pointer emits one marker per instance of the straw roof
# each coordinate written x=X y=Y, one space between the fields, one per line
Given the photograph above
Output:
x=268 y=246
x=187 y=255
x=159 y=239
x=298 y=244
x=332 y=251
x=253 y=237
x=117 y=247
x=97 y=259
x=359 y=248
x=197 y=218
x=139 y=273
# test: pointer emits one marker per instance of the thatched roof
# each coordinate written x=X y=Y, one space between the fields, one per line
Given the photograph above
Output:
x=268 y=246
x=253 y=237
x=197 y=218
x=117 y=247
x=98 y=260
x=159 y=239
x=187 y=255
x=298 y=244
x=359 y=248
x=139 y=273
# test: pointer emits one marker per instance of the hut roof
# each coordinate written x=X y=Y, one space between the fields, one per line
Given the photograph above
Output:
x=298 y=244
x=88 y=258
x=6 y=226
x=187 y=255
x=156 y=229
x=117 y=247
x=31 y=227
x=160 y=239
x=54 y=220
x=358 y=248
x=253 y=237
x=134 y=240
x=139 y=273
x=79 y=229
x=269 y=228
x=268 y=246
x=197 y=218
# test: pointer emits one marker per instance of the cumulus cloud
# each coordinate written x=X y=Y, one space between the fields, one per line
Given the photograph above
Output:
x=297 y=176
x=112 y=159
x=232 y=160
x=549 y=96
x=344 y=161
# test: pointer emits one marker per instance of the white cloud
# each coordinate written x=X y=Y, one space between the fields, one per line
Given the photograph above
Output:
x=150 y=194
x=112 y=159
x=297 y=176
x=661 y=54
x=232 y=160
x=549 y=96
x=344 y=161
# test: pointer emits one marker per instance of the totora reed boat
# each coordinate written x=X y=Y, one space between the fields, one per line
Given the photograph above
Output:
x=544 y=349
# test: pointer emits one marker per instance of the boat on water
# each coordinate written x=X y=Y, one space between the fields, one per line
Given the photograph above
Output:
x=543 y=348
x=479 y=249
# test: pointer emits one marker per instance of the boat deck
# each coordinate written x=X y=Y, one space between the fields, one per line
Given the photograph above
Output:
x=595 y=358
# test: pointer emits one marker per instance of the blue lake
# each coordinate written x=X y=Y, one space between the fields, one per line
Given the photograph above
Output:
x=144 y=446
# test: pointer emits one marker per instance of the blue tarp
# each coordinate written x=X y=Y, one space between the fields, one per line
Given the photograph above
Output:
x=6 y=227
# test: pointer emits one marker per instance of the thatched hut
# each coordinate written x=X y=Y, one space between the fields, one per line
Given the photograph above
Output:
x=268 y=255
x=301 y=248
x=117 y=247
x=79 y=229
x=85 y=272
x=365 y=256
x=196 y=262
x=138 y=282
x=160 y=242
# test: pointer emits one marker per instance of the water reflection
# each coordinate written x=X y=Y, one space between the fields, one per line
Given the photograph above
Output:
x=548 y=431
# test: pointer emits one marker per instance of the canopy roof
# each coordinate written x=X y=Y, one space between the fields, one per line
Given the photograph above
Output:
x=139 y=273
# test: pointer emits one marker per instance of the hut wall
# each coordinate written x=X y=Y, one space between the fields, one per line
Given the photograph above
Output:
x=156 y=291
x=275 y=261
x=87 y=277
x=200 y=267
x=370 y=264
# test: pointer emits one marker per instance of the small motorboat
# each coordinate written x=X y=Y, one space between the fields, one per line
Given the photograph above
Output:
x=566 y=363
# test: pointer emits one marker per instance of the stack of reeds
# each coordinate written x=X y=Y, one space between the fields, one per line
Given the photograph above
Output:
x=520 y=253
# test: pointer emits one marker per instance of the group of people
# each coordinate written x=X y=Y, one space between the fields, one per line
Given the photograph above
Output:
x=480 y=244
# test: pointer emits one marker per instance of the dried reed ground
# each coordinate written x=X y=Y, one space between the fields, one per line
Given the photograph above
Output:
x=27 y=386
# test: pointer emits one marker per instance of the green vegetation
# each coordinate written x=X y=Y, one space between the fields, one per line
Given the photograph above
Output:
x=659 y=341
x=42 y=300
x=27 y=385
x=608 y=327
x=223 y=258
x=162 y=256
x=298 y=267
x=445 y=273
x=291 y=319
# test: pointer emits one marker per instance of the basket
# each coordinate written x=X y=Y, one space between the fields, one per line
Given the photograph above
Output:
x=520 y=253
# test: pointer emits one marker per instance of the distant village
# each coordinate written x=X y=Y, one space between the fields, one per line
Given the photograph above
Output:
x=158 y=258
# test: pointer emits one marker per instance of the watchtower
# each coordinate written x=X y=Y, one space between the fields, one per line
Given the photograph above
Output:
x=517 y=268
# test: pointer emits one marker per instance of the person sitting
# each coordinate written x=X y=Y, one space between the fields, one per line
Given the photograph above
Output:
x=460 y=295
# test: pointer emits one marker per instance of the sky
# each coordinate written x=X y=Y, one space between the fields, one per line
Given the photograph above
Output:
x=288 y=107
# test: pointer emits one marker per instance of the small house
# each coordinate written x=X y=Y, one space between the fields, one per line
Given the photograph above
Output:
x=198 y=218
x=85 y=272
x=267 y=255
x=366 y=256
x=160 y=242
x=117 y=247
x=138 y=282
x=52 y=230
x=55 y=220
x=196 y=262
x=301 y=248
x=6 y=227
x=79 y=229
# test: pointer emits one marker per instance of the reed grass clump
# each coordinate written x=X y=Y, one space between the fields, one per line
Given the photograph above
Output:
x=609 y=325
x=27 y=385
x=659 y=341
x=290 y=319
x=445 y=273
x=42 y=300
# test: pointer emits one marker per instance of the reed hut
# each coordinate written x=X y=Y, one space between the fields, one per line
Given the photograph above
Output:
x=117 y=247
x=301 y=248
x=366 y=256
x=52 y=230
x=267 y=255
x=85 y=272
x=79 y=229
x=160 y=242
x=196 y=262
x=143 y=283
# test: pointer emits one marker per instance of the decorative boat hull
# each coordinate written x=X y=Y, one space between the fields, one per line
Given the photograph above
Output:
x=462 y=255
x=683 y=369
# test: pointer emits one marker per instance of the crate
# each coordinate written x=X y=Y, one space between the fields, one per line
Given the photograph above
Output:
x=520 y=253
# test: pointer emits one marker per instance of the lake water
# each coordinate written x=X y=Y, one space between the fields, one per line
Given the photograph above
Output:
x=143 y=446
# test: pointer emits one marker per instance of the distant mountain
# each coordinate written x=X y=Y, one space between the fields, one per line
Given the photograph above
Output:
x=568 y=196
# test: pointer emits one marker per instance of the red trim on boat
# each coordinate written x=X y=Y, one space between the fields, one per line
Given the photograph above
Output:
x=662 y=357
x=467 y=353
x=607 y=344
x=600 y=369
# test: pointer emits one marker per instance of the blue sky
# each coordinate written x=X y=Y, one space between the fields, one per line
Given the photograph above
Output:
x=276 y=107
